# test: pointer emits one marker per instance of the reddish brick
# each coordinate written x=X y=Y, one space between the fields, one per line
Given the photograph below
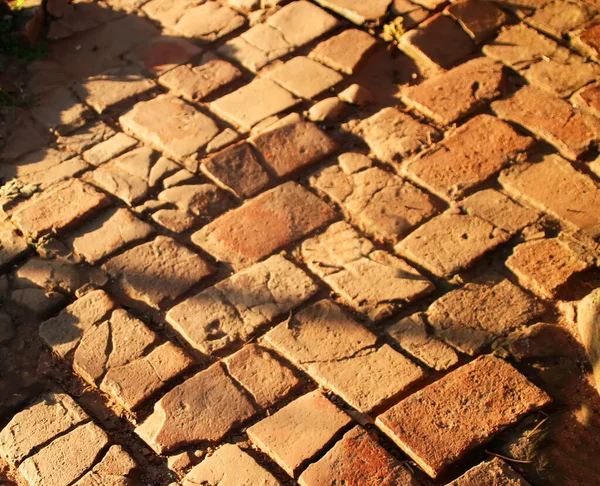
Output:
x=494 y=472
x=440 y=424
x=341 y=355
x=555 y=187
x=12 y=245
x=588 y=99
x=359 y=12
x=344 y=52
x=588 y=41
x=559 y=17
x=116 y=467
x=550 y=118
x=109 y=149
x=164 y=53
x=208 y=22
x=262 y=225
x=562 y=78
x=480 y=20
x=468 y=157
x=168 y=12
x=357 y=459
x=450 y=96
x=313 y=422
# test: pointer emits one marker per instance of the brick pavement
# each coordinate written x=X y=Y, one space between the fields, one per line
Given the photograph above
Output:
x=256 y=243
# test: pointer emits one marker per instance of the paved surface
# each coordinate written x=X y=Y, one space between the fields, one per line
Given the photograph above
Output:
x=253 y=243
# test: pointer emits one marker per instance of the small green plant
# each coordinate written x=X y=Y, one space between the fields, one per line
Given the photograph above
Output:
x=394 y=30
x=17 y=188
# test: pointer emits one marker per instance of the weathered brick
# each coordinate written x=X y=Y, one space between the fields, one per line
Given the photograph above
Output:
x=59 y=207
x=116 y=467
x=293 y=147
x=341 y=355
x=359 y=12
x=480 y=20
x=164 y=53
x=441 y=423
x=237 y=169
x=58 y=110
x=558 y=17
x=208 y=22
x=472 y=316
x=12 y=245
x=344 y=52
x=331 y=108
x=411 y=13
x=357 y=458
x=545 y=266
x=468 y=157
x=490 y=472
x=85 y=137
x=157 y=272
x=109 y=149
x=412 y=336
x=25 y=135
x=382 y=204
x=312 y=420
x=107 y=234
x=253 y=102
x=168 y=12
x=437 y=42
x=52 y=415
x=170 y=125
x=372 y=281
x=451 y=242
x=555 y=187
x=203 y=408
x=229 y=465
x=233 y=310
x=588 y=99
x=262 y=225
x=450 y=96
x=194 y=83
x=304 y=77
x=562 y=78
x=587 y=40
x=393 y=135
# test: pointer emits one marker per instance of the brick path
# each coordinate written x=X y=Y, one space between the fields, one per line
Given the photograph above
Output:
x=267 y=247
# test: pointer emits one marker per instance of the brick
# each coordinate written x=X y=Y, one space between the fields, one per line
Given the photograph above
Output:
x=587 y=325
x=371 y=281
x=226 y=137
x=85 y=137
x=63 y=333
x=109 y=149
x=451 y=242
x=341 y=355
x=58 y=110
x=344 y=52
x=7 y=327
x=559 y=17
x=304 y=77
x=168 y=12
x=430 y=4
x=79 y=17
x=565 y=193
x=52 y=415
x=480 y=20
x=359 y=12
x=262 y=225
x=206 y=407
x=562 y=78
x=116 y=467
x=437 y=42
x=381 y=204
x=12 y=245
x=411 y=13
x=61 y=206
x=38 y=301
x=472 y=316
x=163 y=54
x=253 y=102
x=392 y=135
x=490 y=472
x=229 y=465
x=450 y=96
x=26 y=135
x=170 y=125
x=411 y=334
x=233 y=310
x=237 y=169
x=312 y=420
x=196 y=82
x=329 y=109
x=134 y=382
x=499 y=210
x=587 y=40
x=357 y=458
x=471 y=155
x=157 y=272
x=293 y=147
x=545 y=266
x=208 y=22
x=66 y=458
x=551 y=119
x=443 y=422
x=588 y=99
x=267 y=380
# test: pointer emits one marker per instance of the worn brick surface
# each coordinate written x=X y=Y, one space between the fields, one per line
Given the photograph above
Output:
x=357 y=459
x=58 y=110
x=12 y=245
x=344 y=52
x=262 y=225
x=587 y=41
x=164 y=53
x=312 y=420
x=168 y=12
x=447 y=97
x=468 y=157
x=85 y=137
x=441 y=423
x=115 y=467
x=341 y=355
x=234 y=309
x=480 y=20
x=495 y=472
x=109 y=149
x=566 y=193
x=304 y=77
x=372 y=281
x=208 y=22
x=473 y=316
x=358 y=12
x=588 y=99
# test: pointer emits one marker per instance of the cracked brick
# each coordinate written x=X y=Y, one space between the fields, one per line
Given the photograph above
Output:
x=109 y=149
x=494 y=471
x=357 y=11
x=208 y=22
x=116 y=467
x=12 y=245
x=168 y=12
x=480 y=20
x=559 y=17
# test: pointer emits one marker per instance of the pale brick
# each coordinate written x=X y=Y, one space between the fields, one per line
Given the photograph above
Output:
x=109 y=149
x=233 y=310
x=357 y=11
x=588 y=99
x=115 y=468
x=494 y=472
x=304 y=77
x=443 y=422
x=480 y=20
x=164 y=53
x=262 y=225
x=341 y=355
x=58 y=110
x=344 y=52
x=562 y=78
x=85 y=137
x=168 y=12
x=313 y=422
x=208 y=22
x=12 y=245
x=559 y=17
